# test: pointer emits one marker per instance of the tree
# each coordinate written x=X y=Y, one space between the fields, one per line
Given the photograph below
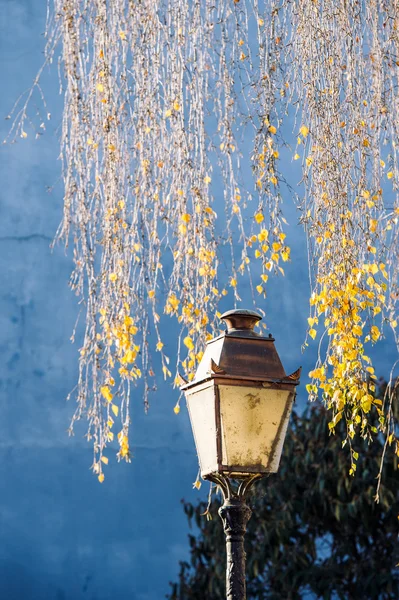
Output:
x=314 y=529
x=159 y=97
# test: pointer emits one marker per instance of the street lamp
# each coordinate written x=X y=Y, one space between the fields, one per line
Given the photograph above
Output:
x=239 y=403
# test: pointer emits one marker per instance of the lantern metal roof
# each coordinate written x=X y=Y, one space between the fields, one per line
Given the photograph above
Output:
x=242 y=353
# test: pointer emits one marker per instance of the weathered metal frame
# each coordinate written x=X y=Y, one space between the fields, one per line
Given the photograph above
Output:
x=235 y=514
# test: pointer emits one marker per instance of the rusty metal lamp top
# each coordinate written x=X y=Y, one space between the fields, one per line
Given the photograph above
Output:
x=241 y=322
x=241 y=353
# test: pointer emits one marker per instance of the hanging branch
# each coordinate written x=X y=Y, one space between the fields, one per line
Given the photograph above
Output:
x=158 y=97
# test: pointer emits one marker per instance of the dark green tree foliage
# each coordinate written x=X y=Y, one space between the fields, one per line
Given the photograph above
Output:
x=315 y=532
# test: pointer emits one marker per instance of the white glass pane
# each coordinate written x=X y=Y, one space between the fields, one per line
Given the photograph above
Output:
x=201 y=407
x=254 y=422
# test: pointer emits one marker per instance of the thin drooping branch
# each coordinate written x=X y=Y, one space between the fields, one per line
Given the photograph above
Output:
x=160 y=100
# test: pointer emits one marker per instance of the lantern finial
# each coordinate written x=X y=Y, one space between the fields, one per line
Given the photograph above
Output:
x=241 y=320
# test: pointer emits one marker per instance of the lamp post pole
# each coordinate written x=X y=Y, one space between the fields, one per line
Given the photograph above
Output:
x=235 y=514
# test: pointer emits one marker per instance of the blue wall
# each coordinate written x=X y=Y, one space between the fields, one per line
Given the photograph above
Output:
x=63 y=535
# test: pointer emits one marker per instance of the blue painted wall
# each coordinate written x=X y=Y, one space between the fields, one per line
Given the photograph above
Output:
x=63 y=535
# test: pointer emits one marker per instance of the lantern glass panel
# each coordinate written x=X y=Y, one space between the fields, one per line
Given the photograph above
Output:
x=201 y=408
x=253 y=426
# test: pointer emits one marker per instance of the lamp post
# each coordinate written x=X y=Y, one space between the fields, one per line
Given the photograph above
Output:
x=239 y=403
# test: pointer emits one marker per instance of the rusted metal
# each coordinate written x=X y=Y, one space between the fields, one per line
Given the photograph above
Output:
x=218 y=430
x=240 y=352
x=240 y=321
x=235 y=514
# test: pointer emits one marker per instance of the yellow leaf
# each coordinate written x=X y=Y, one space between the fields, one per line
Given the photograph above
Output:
x=373 y=225
x=111 y=147
x=207 y=179
x=296 y=156
x=100 y=87
x=365 y=403
x=188 y=342
x=186 y=218
x=176 y=105
x=357 y=330
x=24 y=134
x=115 y=410
x=106 y=392
x=259 y=218
x=197 y=484
x=151 y=293
x=309 y=160
x=316 y=373
x=101 y=477
x=390 y=175
x=122 y=35
x=259 y=289
x=312 y=333
x=176 y=409
x=272 y=129
x=374 y=269
x=233 y=282
x=304 y=130
x=337 y=418
x=273 y=180
x=104 y=460
x=264 y=277
x=168 y=113
x=166 y=372
x=375 y=333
